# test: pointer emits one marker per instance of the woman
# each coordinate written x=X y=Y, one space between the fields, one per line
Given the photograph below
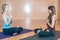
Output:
x=7 y=22
x=50 y=31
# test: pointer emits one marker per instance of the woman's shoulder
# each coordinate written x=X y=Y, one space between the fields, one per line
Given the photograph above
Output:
x=3 y=16
x=54 y=16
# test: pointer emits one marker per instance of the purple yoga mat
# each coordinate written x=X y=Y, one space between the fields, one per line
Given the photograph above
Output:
x=2 y=36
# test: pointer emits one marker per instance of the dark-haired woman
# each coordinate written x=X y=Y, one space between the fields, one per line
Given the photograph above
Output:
x=7 y=22
x=50 y=31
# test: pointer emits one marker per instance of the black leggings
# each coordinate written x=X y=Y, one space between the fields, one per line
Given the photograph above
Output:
x=11 y=31
x=43 y=33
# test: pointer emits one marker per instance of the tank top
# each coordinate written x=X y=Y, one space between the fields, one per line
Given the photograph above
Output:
x=4 y=24
x=50 y=21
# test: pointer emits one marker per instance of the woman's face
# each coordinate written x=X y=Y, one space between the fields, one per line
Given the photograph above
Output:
x=49 y=11
x=7 y=8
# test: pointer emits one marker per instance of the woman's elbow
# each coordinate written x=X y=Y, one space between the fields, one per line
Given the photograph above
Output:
x=6 y=23
x=52 y=26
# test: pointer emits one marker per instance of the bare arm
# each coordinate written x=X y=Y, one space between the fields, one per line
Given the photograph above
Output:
x=53 y=22
x=5 y=20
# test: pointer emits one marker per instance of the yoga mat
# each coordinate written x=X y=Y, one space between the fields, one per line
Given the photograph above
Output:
x=35 y=37
x=2 y=36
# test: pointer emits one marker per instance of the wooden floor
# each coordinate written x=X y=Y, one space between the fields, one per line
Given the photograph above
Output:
x=33 y=24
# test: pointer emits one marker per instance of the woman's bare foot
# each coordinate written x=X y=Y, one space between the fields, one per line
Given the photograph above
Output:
x=47 y=30
x=15 y=34
x=38 y=31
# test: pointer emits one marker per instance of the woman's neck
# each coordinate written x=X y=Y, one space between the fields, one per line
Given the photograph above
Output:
x=5 y=13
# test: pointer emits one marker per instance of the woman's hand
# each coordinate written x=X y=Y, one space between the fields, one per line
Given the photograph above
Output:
x=47 y=21
x=11 y=17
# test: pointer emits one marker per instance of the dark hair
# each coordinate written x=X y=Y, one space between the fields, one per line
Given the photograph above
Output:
x=3 y=7
x=52 y=8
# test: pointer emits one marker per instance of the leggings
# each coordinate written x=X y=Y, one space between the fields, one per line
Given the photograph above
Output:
x=43 y=33
x=11 y=31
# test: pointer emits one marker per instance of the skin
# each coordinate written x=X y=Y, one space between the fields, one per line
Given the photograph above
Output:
x=5 y=14
x=53 y=22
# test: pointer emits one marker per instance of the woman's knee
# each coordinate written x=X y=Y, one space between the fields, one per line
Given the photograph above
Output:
x=36 y=30
x=20 y=28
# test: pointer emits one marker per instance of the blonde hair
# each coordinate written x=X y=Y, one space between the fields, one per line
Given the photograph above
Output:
x=3 y=7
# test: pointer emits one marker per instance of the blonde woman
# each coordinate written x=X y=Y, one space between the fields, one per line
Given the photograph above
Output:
x=7 y=22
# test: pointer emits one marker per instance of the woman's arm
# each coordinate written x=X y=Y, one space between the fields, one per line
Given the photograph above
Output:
x=5 y=19
x=10 y=18
x=53 y=22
